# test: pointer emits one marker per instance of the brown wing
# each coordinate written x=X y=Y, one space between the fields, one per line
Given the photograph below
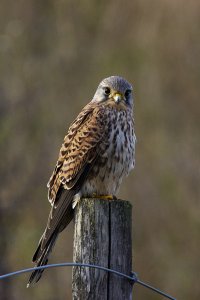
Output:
x=77 y=154
x=79 y=148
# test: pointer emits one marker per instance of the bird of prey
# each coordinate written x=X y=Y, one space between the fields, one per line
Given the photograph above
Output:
x=97 y=152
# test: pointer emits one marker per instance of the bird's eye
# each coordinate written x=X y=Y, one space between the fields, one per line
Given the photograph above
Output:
x=127 y=93
x=107 y=91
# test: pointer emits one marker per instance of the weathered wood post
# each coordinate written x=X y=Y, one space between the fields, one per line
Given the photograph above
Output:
x=102 y=236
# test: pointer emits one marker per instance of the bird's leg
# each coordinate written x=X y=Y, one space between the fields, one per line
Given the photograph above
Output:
x=105 y=197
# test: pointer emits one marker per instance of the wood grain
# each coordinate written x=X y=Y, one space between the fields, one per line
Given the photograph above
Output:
x=102 y=236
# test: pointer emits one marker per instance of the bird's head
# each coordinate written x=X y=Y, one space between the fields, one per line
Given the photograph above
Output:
x=114 y=90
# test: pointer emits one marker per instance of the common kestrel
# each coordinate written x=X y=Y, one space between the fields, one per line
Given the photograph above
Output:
x=97 y=152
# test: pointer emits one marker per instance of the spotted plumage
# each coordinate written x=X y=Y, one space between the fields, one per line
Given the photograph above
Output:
x=97 y=152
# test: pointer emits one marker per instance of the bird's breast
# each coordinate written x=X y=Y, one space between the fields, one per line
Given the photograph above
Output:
x=116 y=157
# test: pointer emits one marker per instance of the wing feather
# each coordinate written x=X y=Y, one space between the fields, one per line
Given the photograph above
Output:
x=80 y=146
x=76 y=158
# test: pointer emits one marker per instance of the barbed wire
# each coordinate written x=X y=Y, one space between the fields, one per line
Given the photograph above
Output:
x=134 y=277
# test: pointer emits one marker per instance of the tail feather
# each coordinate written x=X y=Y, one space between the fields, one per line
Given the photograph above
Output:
x=60 y=216
x=42 y=261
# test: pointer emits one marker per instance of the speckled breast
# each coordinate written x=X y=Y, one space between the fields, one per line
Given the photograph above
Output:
x=116 y=155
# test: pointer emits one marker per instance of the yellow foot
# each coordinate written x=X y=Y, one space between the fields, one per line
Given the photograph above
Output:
x=105 y=197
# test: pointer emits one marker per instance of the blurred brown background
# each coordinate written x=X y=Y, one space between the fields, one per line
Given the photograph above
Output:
x=52 y=56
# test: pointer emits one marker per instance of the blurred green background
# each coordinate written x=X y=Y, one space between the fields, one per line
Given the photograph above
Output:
x=52 y=56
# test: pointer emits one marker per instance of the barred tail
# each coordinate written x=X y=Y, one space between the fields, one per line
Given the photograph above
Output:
x=60 y=216
x=43 y=259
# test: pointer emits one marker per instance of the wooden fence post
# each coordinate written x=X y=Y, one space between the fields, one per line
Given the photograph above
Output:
x=102 y=236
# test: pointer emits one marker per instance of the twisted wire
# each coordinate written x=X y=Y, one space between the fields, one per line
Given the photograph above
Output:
x=134 y=278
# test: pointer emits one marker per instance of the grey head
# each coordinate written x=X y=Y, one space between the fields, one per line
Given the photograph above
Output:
x=116 y=88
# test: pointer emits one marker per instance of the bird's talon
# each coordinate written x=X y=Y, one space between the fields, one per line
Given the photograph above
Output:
x=105 y=197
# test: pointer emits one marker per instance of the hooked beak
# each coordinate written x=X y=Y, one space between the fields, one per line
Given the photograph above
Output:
x=118 y=97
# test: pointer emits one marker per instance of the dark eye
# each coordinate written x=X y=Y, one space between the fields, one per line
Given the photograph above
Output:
x=107 y=91
x=127 y=93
